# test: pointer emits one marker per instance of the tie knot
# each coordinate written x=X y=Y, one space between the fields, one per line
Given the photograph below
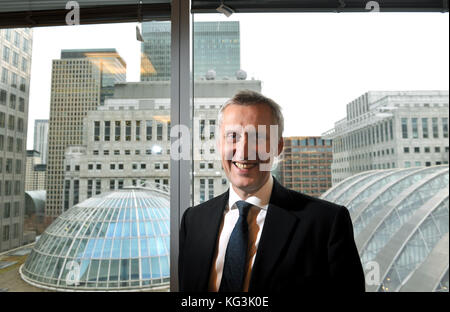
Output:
x=243 y=207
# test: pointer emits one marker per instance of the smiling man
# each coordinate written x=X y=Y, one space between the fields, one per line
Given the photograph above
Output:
x=260 y=236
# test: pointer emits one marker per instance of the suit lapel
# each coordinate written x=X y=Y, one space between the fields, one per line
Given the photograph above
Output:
x=207 y=239
x=278 y=226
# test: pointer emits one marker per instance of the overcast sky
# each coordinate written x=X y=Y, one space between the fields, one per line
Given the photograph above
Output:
x=311 y=64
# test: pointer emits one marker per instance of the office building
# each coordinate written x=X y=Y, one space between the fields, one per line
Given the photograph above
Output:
x=305 y=165
x=40 y=142
x=15 y=68
x=35 y=172
x=216 y=47
x=81 y=81
x=391 y=129
x=127 y=141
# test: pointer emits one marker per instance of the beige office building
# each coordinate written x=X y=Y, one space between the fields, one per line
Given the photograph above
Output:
x=81 y=81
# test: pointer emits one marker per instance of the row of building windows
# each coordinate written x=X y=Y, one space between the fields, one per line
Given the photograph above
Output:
x=6 y=232
x=120 y=166
x=408 y=164
x=426 y=149
x=308 y=142
x=10 y=144
x=303 y=179
x=155 y=150
x=411 y=126
x=9 y=166
x=6 y=56
x=304 y=173
x=353 y=169
x=11 y=125
x=16 y=38
x=7 y=213
x=13 y=79
x=383 y=132
x=12 y=100
x=8 y=188
x=113 y=130
x=306 y=161
x=311 y=167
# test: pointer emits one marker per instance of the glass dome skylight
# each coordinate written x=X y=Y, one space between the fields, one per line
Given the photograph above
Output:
x=113 y=241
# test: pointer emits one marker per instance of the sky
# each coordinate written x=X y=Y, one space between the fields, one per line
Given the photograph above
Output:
x=312 y=64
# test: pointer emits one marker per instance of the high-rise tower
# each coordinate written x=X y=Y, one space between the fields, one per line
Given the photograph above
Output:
x=81 y=81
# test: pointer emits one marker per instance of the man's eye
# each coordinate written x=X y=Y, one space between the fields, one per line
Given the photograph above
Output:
x=232 y=136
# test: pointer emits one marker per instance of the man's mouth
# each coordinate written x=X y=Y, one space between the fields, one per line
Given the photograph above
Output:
x=244 y=165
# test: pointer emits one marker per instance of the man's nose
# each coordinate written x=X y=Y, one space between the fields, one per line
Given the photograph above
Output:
x=244 y=149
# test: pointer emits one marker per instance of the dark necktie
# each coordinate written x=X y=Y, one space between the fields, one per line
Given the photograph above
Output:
x=236 y=254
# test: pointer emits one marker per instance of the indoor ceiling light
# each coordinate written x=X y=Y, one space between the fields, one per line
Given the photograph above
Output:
x=224 y=9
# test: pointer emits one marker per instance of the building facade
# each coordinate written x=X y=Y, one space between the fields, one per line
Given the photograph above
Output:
x=127 y=141
x=15 y=68
x=81 y=81
x=40 y=142
x=305 y=165
x=391 y=129
x=35 y=172
x=216 y=47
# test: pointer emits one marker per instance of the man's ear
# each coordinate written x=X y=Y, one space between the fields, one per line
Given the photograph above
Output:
x=280 y=146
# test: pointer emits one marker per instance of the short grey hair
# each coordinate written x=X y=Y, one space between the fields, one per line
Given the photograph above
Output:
x=249 y=97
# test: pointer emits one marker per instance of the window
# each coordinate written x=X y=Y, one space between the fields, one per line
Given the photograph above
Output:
x=3 y=97
x=6 y=52
x=404 y=128
x=6 y=232
x=165 y=166
x=96 y=130
x=24 y=64
x=426 y=149
x=15 y=59
x=415 y=131
x=138 y=130
x=117 y=131
x=437 y=149
x=112 y=184
x=416 y=149
x=434 y=122
x=157 y=166
x=128 y=130
x=445 y=127
x=4 y=76
x=7 y=210
x=21 y=104
x=425 y=128
x=12 y=101
x=107 y=130
x=159 y=131
x=148 y=131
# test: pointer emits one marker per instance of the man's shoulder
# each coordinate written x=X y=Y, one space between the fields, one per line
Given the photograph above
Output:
x=217 y=202
x=303 y=204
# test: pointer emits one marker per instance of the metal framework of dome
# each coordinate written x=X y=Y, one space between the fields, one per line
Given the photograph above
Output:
x=114 y=241
x=401 y=222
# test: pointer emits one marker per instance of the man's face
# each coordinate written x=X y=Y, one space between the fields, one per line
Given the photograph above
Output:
x=242 y=143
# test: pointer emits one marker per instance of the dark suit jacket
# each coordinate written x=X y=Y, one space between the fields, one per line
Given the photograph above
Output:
x=306 y=244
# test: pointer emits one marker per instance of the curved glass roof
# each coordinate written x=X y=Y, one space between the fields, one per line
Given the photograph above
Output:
x=113 y=241
x=400 y=219
x=418 y=247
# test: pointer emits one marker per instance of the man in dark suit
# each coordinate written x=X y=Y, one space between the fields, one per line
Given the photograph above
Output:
x=260 y=236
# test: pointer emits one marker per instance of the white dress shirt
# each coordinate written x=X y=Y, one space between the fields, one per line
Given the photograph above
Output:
x=255 y=219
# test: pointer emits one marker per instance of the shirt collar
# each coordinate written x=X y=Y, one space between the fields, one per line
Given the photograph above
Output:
x=260 y=199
